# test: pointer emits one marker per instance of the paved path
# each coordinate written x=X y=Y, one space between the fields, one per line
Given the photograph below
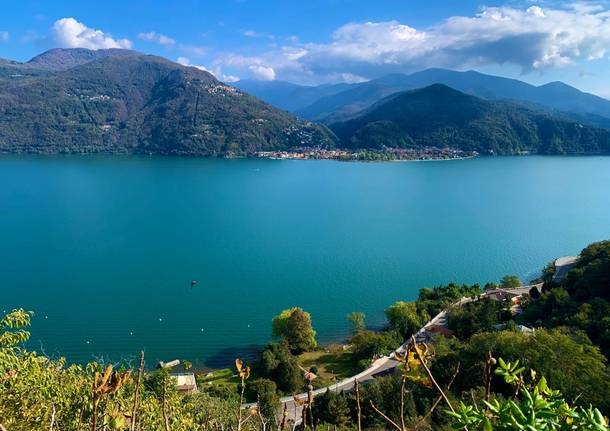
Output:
x=563 y=265
x=385 y=364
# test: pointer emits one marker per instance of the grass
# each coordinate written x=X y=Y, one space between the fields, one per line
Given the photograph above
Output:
x=226 y=377
x=333 y=363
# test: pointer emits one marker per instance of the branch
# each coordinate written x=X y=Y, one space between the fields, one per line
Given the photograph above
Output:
x=402 y=402
x=439 y=399
x=135 y=400
x=385 y=417
x=358 y=409
x=419 y=356
x=52 y=418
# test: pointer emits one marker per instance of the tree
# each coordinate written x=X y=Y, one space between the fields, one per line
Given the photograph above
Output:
x=356 y=319
x=264 y=391
x=385 y=392
x=279 y=365
x=366 y=344
x=436 y=299
x=474 y=317
x=510 y=282
x=332 y=408
x=406 y=318
x=567 y=359
x=279 y=322
x=591 y=276
x=294 y=325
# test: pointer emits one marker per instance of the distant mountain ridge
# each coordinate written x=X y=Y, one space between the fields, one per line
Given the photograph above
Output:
x=122 y=101
x=63 y=59
x=440 y=116
x=286 y=95
x=351 y=98
x=118 y=101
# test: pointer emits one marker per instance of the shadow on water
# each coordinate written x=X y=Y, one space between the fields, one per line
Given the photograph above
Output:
x=225 y=357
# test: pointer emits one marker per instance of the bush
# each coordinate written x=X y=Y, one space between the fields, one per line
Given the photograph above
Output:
x=568 y=360
x=366 y=344
x=264 y=391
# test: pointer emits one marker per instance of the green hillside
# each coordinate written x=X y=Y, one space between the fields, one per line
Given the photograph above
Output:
x=139 y=104
x=442 y=117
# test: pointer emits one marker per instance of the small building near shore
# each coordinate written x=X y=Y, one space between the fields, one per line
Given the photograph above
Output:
x=185 y=382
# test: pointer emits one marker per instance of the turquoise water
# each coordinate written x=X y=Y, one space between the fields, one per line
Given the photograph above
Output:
x=103 y=249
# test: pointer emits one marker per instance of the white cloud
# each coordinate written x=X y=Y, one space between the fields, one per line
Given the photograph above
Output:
x=216 y=71
x=159 y=38
x=193 y=50
x=69 y=33
x=533 y=38
x=263 y=73
x=4 y=36
x=254 y=34
x=259 y=68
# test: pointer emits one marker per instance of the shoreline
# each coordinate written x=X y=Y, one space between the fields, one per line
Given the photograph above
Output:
x=368 y=155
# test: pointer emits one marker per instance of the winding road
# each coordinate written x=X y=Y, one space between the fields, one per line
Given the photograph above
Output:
x=386 y=364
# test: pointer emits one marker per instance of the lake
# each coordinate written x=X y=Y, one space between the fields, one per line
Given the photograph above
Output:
x=104 y=249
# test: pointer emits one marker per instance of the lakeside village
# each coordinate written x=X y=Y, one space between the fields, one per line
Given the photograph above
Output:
x=385 y=154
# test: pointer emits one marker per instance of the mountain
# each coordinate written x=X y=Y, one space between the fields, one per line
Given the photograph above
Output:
x=286 y=95
x=63 y=59
x=440 y=116
x=555 y=96
x=135 y=103
x=339 y=106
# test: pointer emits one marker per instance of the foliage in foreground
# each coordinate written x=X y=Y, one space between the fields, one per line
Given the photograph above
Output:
x=538 y=409
x=39 y=394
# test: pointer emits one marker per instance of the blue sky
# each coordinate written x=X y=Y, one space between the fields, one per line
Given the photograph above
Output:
x=318 y=41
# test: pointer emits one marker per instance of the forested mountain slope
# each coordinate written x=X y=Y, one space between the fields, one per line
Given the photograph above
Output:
x=440 y=116
x=135 y=103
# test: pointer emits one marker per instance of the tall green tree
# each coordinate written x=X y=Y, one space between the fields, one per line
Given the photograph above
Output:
x=510 y=282
x=332 y=408
x=475 y=317
x=406 y=318
x=295 y=327
x=366 y=344
x=279 y=365
x=357 y=320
